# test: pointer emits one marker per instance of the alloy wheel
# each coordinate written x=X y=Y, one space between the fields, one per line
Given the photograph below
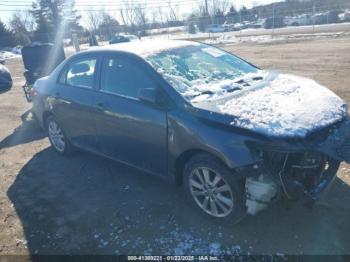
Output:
x=56 y=136
x=211 y=192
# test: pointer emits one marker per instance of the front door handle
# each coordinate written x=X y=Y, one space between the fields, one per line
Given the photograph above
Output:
x=100 y=106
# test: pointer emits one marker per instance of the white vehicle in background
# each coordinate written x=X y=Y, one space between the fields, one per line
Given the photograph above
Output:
x=215 y=28
x=238 y=26
x=298 y=20
x=344 y=17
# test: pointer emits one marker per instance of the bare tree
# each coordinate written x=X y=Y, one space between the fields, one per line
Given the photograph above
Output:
x=173 y=14
x=161 y=15
x=140 y=16
x=22 y=24
x=222 y=6
x=154 y=16
x=211 y=8
x=128 y=14
x=94 y=19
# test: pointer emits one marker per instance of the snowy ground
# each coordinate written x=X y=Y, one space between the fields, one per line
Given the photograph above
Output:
x=10 y=53
x=260 y=35
x=265 y=39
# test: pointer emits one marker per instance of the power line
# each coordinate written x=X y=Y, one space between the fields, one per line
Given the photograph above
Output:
x=121 y=7
x=111 y=4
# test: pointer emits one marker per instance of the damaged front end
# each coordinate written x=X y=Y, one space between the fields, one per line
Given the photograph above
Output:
x=293 y=175
x=296 y=170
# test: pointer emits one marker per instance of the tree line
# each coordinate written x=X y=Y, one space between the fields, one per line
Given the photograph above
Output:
x=46 y=17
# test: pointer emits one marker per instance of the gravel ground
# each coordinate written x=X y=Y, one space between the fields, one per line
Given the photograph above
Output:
x=88 y=205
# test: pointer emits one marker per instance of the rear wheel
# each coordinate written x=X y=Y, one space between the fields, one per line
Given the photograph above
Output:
x=57 y=137
x=212 y=189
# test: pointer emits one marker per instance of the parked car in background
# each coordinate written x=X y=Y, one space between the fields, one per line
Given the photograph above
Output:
x=344 y=17
x=298 y=20
x=215 y=28
x=256 y=24
x=274 y=22
x=326 y=18
x=240 y=26
x=234 y=136
x=5 y=77
x=122 y=39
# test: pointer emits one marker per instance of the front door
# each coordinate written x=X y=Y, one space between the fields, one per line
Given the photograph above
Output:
x=128 y=129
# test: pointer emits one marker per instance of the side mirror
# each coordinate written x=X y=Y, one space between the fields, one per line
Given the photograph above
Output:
x=148 y=95
x=2 y=61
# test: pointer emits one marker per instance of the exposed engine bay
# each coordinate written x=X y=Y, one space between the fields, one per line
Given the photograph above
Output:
x=292 y=175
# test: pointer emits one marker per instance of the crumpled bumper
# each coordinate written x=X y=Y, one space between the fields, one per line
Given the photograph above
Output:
x=337 y=144
x=327 y=178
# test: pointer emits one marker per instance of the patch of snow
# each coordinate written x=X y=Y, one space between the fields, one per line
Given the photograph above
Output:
x=263 y=39
x=218 y=89
x=284 y=105
x=9 y=53
x=215 y=249
x=148 y=47
x=4 y=55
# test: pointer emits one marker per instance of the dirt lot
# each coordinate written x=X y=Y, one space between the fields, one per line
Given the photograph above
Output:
x=88 y=205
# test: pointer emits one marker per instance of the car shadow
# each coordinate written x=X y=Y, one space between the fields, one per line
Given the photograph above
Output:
x=4 y=90
x=88 y=205
x=27 y=132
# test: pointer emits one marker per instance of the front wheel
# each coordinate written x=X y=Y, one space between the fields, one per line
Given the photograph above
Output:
x=211 y=188
x=57 y=137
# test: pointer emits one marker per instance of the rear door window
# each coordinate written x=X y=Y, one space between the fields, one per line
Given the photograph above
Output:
x=80 y=73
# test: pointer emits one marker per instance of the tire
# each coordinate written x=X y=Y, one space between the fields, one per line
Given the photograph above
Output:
x=230 y=202
x=57 y=137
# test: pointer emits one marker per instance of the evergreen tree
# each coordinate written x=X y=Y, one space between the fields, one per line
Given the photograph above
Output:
x=49 y=16
x=244 y=14
x=109 y=26
x=6 y=36
x=232 y=15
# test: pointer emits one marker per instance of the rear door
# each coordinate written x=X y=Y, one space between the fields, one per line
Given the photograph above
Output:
x=128 y=129
x=74 y=100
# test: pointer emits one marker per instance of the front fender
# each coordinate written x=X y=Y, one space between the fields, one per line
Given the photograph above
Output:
x=188 y=133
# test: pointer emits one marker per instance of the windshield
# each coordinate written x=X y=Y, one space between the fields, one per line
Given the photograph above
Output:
x=202 y=72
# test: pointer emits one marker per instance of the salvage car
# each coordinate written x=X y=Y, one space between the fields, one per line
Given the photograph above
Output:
x=235 y=136
x=117 y=39
x=215 y=28
x=5 y=77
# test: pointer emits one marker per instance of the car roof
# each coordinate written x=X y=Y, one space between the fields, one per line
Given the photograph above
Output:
x=144 y=48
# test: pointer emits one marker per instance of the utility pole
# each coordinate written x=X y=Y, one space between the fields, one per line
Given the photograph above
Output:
x=206 y=14
x=313 y=19
x=206 y=8
x=273 y=19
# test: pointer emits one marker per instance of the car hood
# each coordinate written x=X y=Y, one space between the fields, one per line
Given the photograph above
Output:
x=280 y=105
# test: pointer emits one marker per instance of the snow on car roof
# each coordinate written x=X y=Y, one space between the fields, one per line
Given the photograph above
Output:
x=146 y=47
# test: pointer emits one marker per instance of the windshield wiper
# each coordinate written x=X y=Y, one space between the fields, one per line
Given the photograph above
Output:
x=202 y=93
x=233 y=89
x=212 y=93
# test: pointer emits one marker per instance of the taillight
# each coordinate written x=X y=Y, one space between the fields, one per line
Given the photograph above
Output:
x=33 y=93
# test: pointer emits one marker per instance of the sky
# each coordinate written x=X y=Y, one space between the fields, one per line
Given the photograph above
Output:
x=112 y=6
